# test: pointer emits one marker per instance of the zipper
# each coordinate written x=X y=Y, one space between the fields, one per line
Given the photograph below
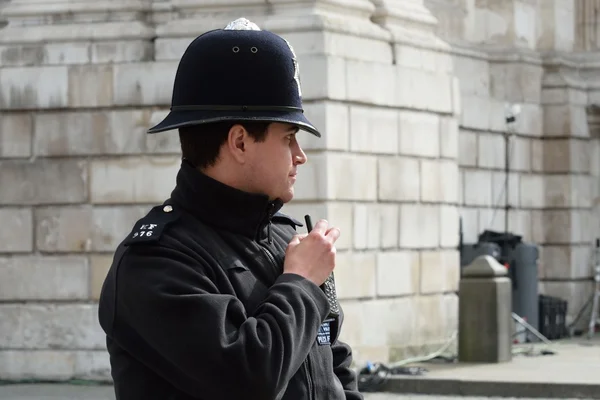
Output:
x=308 y=377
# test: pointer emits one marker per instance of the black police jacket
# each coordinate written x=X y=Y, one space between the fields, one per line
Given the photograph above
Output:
x=195 y=305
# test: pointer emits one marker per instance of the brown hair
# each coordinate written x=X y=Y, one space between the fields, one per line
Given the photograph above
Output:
x=201 y=144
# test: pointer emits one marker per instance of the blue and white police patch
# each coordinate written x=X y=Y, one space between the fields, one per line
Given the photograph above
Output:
x=324 y=334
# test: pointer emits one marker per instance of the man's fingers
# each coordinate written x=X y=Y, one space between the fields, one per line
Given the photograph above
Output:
x=296 y=240
x=333 y=234
x=321 y=226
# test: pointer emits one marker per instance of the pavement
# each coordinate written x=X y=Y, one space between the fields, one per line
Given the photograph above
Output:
x=79 y=392
x=572 y=372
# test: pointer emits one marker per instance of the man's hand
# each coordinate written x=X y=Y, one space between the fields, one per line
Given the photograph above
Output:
x=313 y=256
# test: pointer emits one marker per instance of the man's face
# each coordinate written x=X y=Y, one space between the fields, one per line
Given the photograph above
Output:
x=272 y=164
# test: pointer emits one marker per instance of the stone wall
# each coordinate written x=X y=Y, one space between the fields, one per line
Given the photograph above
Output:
x=413 y=133
x=529 y=53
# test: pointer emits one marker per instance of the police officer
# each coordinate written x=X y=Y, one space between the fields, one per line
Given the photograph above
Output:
x=215 y=294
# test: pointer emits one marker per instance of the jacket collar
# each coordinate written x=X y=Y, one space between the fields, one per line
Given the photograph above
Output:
x=223 y=206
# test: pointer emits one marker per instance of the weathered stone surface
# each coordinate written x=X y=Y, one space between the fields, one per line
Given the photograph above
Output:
x=516 y=82
x=15 y=135
x=92 y=132
x=43 y=278
x=99 y=266
x=373 y=130
x=477 y=186
x=449 y=143
x=54 y=365
x=132 y=180
x=440 y=271
x=491 y=148
x=419 y=226
x=64 y=229
x=34 y=87
x=91 y=85
x=48 y=326
x=328 y=77
x=355 y=275
x=16 y=230
x=333 y=119
x=419 y=134
x=43 y=181
x=566 y=262
x=137 y=84
x=566 y=155
x=398 y=273
x=467 y=148
x=399 y=179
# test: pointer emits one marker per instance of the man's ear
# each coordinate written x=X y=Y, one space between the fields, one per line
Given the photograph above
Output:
x=237 y=143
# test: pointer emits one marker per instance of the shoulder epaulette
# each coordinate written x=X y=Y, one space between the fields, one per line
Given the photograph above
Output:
x=150 y=228
x=286 y=219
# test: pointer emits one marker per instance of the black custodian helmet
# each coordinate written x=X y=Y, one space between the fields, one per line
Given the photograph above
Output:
x=239 y=73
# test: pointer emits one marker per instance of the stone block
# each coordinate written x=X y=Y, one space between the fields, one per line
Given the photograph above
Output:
x=470 y=224
x=423 y=59
x=16 y=231
x=64 y=229
x=122 y=51
x=567 y=155
x=51 y=326
x=449 y=226
x=516 y=82
x=450 y=182
x=367 y=226
x=431 y=183
x=537 y=155
x=54 y=365
x=499 y=189
x=43 y=181
x=419 y=226
x=476 y=111
x=91 y=85
x=468 y=148
x=99 y=266
x=531 y=121
x=339 y=214
x=449 y=143
x=419 y=134
x=30 y=278
x=430 y=320
x=170 y=48
x=341 y=45
x=372 y=83
x=91 y=132
x=373 y=130
x=491 y=148
x=532 y=191
x=34 y=88
x=413 y=88
x=519 y=222
x=399 y=179
x=497 y=116
x=111 y=224
x=440 y=271
x=477 y=186
x=398 y=273
x=568 y=191
x=520 y=154
x=333 y=119
x=537 y=226
x=375 y=226
x=457 y=105
x=355 y=275
x=561 y=227
x=325 y=77
x=474 y=75
x=37 y=54
x=132 y=179
x=566 y=262
x=15 y=135
x=569 y=120
x=149 y=83
x=362 y=171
